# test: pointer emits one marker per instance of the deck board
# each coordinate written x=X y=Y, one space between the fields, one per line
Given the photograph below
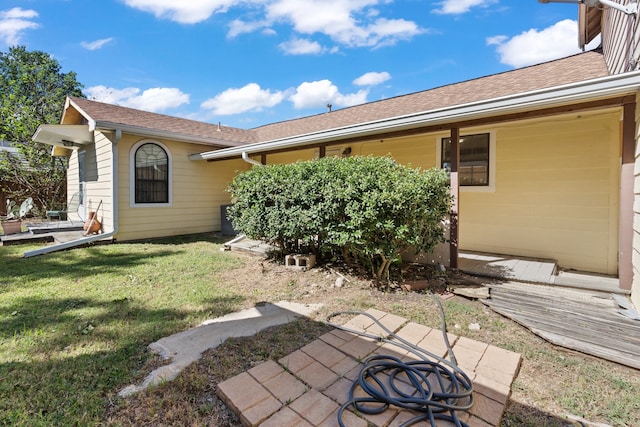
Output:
x=585 y=321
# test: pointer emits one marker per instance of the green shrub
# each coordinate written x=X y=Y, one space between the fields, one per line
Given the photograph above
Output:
x=366 y=209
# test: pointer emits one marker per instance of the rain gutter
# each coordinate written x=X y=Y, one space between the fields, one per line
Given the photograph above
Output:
x=94 y=238
x=593 y=89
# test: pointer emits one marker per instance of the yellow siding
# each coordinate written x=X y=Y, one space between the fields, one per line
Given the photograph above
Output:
x=556 y=194
x=289 y=157
x=416 y=151
x=557 y=191
x=98 y=166
x=73 y=183
x=199 y=188
x=99 y=180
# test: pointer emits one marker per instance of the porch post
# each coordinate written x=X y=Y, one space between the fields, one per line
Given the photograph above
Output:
x=455 y=190
x=625 y=243
x=263 y=158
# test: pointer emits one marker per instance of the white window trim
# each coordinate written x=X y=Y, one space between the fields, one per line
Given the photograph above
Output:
x=492 y=164
x=132 y=175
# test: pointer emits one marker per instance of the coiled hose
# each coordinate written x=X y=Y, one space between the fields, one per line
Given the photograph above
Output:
x=433 y=386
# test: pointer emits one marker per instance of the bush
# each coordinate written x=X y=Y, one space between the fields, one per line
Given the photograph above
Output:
x=366 y=209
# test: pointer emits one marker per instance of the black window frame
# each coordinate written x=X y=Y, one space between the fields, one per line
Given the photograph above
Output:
x=151 y=178
x=475 y=166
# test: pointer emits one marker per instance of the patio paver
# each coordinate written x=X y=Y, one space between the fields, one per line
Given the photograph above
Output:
x=307 y=387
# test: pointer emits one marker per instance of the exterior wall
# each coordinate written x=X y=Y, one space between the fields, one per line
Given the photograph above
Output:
x=557 y=191
x=620 y=37
x=416 y=151
x=289 y=157
x=73 y=181
x=198 y=190
x=99 y=174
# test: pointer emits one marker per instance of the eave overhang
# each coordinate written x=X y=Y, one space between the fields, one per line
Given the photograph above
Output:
x=576 y=93
x=67 y=136
x=76 y=136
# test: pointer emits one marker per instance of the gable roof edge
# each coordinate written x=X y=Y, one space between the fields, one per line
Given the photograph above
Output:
x=153 y=133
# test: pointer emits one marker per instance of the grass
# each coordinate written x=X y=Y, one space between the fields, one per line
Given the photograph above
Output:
x=75 y=326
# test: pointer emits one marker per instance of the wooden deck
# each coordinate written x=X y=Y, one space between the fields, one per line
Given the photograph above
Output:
x=586 y=321
x=45 y=232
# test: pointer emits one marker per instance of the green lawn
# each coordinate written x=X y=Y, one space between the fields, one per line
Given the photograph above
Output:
x=74 y=325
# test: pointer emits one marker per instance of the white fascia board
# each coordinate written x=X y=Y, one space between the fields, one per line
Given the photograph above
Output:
x=56 y=134
x=90 y=121
x=588 y=90
x=154 y=133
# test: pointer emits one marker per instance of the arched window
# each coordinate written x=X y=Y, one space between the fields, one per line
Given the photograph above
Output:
x=151 y=174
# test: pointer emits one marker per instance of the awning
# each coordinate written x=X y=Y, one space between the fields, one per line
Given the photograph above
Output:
x=68 y=136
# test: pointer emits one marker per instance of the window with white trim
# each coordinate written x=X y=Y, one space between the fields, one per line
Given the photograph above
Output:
x=477 y=160
x=151 y=174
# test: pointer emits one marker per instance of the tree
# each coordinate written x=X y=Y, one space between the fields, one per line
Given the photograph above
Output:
x=32 y=92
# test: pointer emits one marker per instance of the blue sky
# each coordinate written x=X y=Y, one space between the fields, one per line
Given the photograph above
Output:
x=246 y=63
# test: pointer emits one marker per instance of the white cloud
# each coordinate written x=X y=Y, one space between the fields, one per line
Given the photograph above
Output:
x=349 y=22
x=248 y=98
x=239 y=26
x=533 y=46
x=320 y=93
x=372 y=79
x=354 y=23
x=14 y=22
x=185 y=12
x=496 y=40
x=456 y=7
x=96 y=44
x=301 y=47
x=154 y=99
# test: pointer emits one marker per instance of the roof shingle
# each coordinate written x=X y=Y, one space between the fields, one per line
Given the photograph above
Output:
x=573 y=69
x=580 y=67
x=116 y=114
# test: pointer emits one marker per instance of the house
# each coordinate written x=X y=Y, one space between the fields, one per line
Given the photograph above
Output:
x=545 y=166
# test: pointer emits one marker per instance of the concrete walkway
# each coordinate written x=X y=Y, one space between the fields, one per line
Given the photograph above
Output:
x=533 y=270
x=307 y=387
x=186 y=347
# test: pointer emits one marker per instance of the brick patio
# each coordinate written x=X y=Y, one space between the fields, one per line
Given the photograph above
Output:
x=307 y=387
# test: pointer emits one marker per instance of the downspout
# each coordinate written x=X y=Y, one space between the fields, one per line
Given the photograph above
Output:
x=248 y=159
x=90 y=239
